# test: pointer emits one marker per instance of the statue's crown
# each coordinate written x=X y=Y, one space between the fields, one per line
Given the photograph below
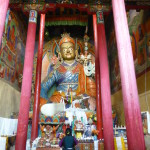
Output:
x=65 y=38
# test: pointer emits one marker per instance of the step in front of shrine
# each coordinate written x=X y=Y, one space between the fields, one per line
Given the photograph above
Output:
x=80 y=146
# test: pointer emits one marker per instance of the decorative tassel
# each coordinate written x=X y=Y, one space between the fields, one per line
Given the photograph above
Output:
x=115 y=144
x=122 y=143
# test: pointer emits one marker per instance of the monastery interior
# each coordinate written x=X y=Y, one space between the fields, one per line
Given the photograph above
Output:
x=77 y=21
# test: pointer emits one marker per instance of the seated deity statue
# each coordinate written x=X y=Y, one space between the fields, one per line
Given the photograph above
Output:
x=67 y=74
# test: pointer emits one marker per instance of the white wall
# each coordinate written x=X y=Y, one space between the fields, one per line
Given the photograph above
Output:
x=9 y=99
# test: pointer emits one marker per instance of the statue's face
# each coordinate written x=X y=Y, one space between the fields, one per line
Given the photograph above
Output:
x=67 y=51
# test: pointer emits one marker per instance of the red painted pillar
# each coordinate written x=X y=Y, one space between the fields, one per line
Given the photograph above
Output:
x=3 y=12
x=26 y=84
x=135 y=136
x=97 y=76
x=105 y=84
x=34 y=133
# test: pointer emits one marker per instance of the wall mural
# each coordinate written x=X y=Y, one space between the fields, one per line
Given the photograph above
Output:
x=139 y=28
x=12 y=49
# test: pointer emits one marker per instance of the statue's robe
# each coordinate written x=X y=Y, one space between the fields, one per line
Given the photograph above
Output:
x=67 y=76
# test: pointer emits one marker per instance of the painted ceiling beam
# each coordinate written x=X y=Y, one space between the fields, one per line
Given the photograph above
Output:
x=43 y=7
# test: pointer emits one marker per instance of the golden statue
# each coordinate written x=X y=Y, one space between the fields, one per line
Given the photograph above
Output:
x=68 y=74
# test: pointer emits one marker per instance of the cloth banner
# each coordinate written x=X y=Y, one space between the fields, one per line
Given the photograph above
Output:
x=8 y=126
x=96 y=145
x=119 y=143
x=2 y=143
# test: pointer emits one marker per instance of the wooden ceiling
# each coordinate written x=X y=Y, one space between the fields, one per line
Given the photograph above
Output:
x=135 y=2
x=53 y=8
x=82 y=5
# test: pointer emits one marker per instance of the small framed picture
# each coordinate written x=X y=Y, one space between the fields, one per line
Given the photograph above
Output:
x=146 y=122
x=88 y=131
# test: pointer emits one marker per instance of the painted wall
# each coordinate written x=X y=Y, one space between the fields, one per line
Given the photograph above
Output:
x=9 y=99
x=12 y=49
x=117 y=101
x=139 y=28
x=11 y=64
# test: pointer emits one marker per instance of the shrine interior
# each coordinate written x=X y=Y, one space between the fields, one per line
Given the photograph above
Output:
x=62 y=90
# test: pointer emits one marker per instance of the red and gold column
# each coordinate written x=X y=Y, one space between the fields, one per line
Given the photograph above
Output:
x=105 y=84
x=97 y=76
x=135 y=136
x=26 y=84
x=36 y=107
x=3 y=11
